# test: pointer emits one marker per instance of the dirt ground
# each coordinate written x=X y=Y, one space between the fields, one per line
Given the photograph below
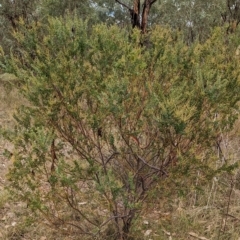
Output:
x=7 y=216
x=10 y=211
x=16 y=220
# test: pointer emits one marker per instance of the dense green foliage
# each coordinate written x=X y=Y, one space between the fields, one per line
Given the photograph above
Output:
x=110 y=121
x=194 y=18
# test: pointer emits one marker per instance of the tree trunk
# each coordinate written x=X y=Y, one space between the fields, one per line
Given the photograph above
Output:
x=145 y=13
x=232 y=15
x=135 y=14
x=127 y=222
x=139 y=19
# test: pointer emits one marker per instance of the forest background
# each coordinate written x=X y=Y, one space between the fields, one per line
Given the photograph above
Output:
x=119 y=119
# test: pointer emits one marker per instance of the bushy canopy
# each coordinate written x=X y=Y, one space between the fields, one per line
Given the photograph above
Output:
x=112 y=116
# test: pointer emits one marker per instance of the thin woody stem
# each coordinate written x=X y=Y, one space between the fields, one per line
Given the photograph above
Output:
x=123 y=4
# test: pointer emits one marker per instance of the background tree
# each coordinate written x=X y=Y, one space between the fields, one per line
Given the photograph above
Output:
x=10 y=14
x=231 y=15
x=84 y=9
x=139 y=17
x=194 y=18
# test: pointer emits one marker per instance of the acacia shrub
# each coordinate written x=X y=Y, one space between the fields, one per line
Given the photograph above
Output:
x=109 y=121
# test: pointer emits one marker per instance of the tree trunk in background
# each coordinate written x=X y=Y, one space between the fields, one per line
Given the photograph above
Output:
x=139 y=19
x=135 y=14
x=232 y=15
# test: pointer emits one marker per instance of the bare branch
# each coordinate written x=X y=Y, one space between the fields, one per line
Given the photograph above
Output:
x=152 y=2
x=229 y=7
x=124 y=5
x=229 y=215
x=111 y=157
x=113 y=217
x=80 y=212
x=152 y=167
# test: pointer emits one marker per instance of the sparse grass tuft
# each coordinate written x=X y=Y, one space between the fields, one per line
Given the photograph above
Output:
x=4 y=198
